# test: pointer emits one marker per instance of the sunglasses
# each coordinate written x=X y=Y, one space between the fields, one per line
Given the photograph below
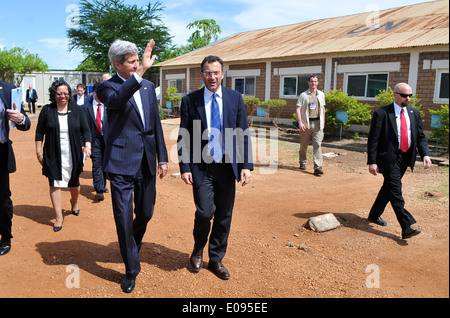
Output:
x=404 y=95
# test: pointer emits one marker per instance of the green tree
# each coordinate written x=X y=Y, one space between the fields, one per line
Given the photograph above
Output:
x=205 y=30
x=102 y=22
x=197 y=40
x=20 y=62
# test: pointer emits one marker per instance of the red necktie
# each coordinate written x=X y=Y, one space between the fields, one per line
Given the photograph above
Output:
x=98 y=120
x=403 y=132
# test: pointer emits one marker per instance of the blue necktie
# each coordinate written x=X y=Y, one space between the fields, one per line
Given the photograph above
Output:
x=216 y=129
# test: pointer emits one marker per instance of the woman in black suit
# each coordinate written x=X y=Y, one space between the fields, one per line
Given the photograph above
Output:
x=63 y=125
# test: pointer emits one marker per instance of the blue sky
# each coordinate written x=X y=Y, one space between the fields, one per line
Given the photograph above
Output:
x=40 y=25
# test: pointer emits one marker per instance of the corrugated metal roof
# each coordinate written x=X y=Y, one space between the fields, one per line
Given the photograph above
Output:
x=422 y=24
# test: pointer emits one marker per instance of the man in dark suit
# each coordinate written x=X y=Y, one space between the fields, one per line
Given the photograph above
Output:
x=31 y=98
x=134 y=144
x=214 y=151
x=81 y=95
x=396 y=133
x=8 y=161
x=97 y=119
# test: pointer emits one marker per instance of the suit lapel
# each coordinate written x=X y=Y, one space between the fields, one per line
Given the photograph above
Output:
x=145 y=97
x=2 y=96
x=199 y=103
x=225 y=108
x=413 y=123
x=91 y=109
x=392 y=119
x=133 y=102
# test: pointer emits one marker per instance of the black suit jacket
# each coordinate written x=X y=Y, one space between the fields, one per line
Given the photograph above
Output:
x=193 y=125
x=5 y=95
x=382 y=145
x=28 y=95
x=126 y=136
x=48 y=128
x=90 y=117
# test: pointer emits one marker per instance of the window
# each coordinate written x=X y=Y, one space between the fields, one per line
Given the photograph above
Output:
x=443 y=85
x=294 y=85
x=366 y=85
x=177 y=83
x=56 y=78
x=245 y=85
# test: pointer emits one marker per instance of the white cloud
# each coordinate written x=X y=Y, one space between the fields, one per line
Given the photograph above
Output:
x=265 y=14
x=55 y=52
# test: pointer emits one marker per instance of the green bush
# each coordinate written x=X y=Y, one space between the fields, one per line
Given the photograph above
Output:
x=162 y=114
x=274 y=107
x=336 y=100
x=441 y=133
x=251 y=103
x=172 y=95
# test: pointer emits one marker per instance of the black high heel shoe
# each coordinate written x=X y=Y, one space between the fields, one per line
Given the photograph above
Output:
x=74 y=212
x=58 y=228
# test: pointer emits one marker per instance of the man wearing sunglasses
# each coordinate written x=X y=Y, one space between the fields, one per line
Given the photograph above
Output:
x=396 y=134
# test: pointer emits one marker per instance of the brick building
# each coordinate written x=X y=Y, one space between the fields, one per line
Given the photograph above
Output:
x=360 y=54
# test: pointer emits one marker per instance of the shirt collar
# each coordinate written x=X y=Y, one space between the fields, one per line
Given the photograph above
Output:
x=208 y=94
x=398 y=108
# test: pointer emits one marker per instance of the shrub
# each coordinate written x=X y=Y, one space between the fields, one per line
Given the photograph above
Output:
x=336 y=100
x=274 y=107
x=251 y=103
x=441 y=133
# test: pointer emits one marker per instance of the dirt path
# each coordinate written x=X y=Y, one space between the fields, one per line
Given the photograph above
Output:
x=270 y=254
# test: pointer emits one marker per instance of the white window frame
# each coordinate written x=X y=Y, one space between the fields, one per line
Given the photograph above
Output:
x=296 y=76
x=174 y=82
x=437 y=87
x=364 y=98
x=233 y=80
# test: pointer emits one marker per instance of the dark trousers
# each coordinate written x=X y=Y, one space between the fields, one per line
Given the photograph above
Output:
x=32 y=106
x=98 y=176
x=214 y=199
x=126 y=190
x=6 y=205
x=391 y=191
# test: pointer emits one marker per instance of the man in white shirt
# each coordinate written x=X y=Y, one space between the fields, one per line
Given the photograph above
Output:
x=311 y=122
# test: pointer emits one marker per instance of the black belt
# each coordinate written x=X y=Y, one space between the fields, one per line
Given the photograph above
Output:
x=399 y=151
x=148 y=133
x=314 y=119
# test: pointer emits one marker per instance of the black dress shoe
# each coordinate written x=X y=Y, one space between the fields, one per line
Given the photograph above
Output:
x=197 y=260
x=99 y=197
x=5 y=247
x=318 y=171
x=409 y=232
x=379 y=221
x=219 y=270
x=128 y=284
